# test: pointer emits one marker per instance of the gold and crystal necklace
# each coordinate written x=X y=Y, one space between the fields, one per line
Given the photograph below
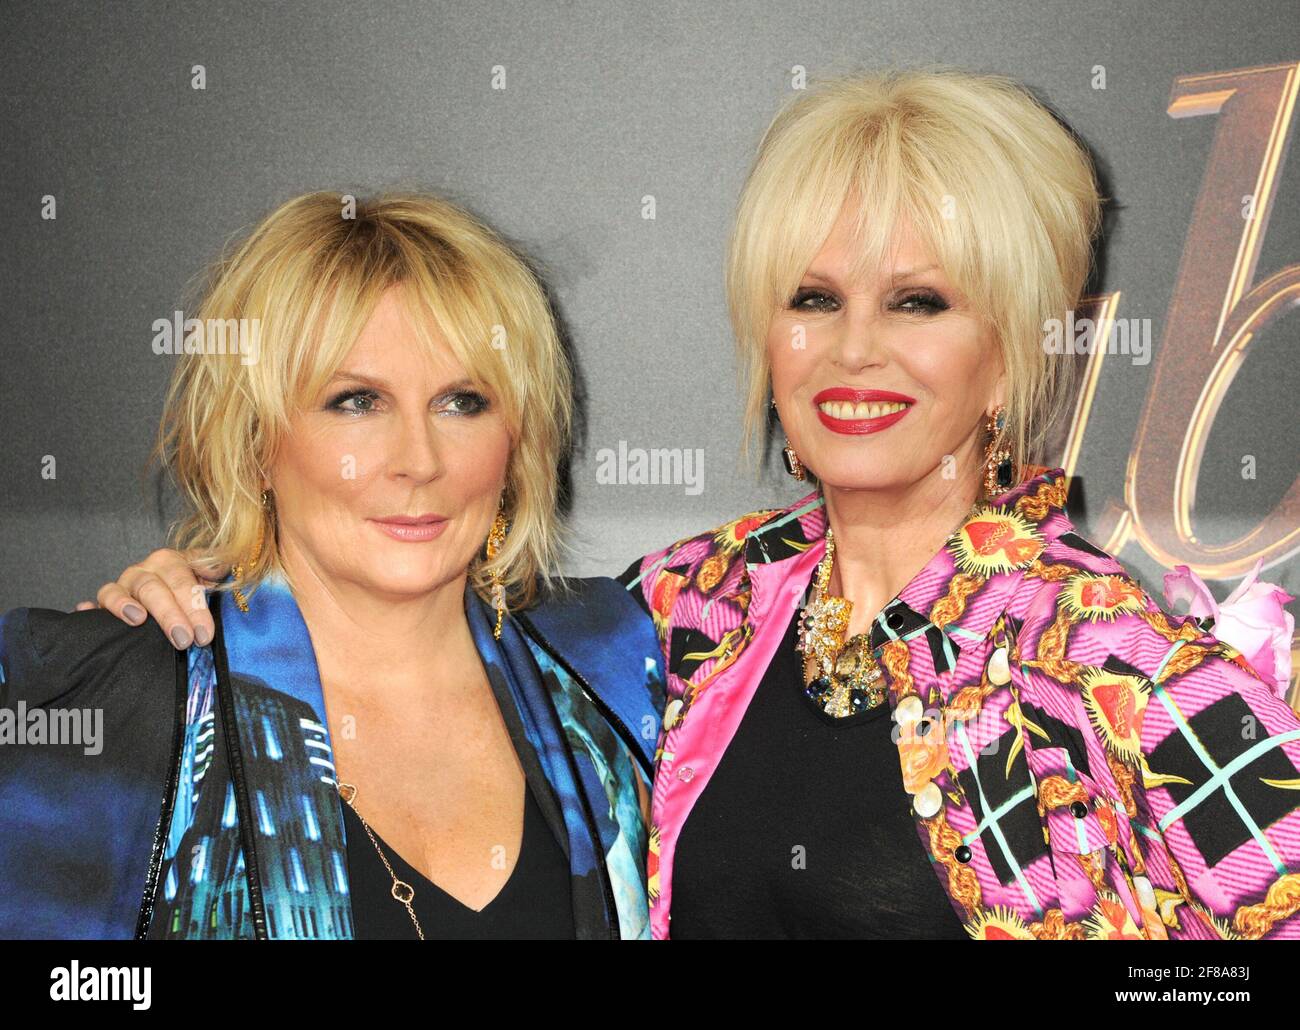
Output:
x=841 y=677
x=402 y=891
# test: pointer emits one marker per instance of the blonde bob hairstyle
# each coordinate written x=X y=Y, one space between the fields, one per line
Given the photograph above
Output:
x=1001 y=194
x=311 y=273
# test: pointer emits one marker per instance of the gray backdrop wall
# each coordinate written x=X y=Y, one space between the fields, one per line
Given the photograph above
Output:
x=605 y=104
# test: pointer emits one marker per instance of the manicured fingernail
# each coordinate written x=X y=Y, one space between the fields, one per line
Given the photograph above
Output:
x=202 y=636
x=180 y=638
x=134 y=615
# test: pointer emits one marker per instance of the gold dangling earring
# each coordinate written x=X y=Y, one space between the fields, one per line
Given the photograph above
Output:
x=793 y=465
x=497 y=537
x=251 y=560
x=999 y=468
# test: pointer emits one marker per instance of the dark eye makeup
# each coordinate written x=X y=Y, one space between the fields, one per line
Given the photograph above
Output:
x=926 y=301
x=814 y=300
x=919 y=301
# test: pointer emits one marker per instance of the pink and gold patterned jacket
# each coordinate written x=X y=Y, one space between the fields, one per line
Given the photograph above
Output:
x=1105 y=771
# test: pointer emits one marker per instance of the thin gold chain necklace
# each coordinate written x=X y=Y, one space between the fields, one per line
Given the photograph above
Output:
x=402 y=891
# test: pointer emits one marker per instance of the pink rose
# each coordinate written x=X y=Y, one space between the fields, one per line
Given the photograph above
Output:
x=1252 y=620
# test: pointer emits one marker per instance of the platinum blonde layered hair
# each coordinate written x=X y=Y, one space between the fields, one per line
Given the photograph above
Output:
x=1003 y=196
x=312 y=279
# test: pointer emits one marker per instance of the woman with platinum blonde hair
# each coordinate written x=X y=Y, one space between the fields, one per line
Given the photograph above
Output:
x=915 y=703
x=392 y=720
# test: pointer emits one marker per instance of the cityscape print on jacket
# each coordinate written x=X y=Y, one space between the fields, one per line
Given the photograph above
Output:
x=291 y=815
x=213 y=810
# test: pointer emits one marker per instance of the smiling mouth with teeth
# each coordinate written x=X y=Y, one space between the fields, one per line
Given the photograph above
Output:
x=853 y=412
x=845 y=410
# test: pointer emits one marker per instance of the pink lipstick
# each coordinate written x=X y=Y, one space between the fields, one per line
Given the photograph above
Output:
x=412 y=528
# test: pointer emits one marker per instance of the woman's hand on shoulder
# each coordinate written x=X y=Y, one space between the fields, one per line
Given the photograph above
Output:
x=172 y=587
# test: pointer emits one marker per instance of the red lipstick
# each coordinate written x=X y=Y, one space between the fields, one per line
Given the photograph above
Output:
x=412 y=528
x=856 y=425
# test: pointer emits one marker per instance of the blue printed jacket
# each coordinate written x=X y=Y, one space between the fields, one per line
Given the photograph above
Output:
x=146 y=792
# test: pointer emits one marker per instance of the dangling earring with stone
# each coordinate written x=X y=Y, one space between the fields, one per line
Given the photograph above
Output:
x=792 y=463
x=496 y=538
x=791 y=460
x=999 y=468
x=238 y=571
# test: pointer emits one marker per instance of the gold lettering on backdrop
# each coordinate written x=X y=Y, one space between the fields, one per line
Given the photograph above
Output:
x=1212 y=318
x=1215 y=312
x=1101 y=310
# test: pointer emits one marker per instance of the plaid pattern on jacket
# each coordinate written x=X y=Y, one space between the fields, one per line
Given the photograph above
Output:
x=1104 y=770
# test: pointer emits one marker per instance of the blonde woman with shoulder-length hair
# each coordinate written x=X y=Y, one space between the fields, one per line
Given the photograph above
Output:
x=309 y=274
x=388 y=722
x=933 y=710
x=915 y=703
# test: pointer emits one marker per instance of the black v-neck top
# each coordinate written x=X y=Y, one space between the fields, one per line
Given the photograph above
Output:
x=804 y=829
x=535 y=903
